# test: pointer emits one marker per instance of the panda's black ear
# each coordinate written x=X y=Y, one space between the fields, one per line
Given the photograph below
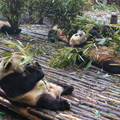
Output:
x=7 y=65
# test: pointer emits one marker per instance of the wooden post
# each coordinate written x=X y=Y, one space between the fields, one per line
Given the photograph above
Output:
x=114 y=19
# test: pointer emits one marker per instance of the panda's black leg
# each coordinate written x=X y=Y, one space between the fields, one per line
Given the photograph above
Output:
x=67 y=90
x=7 y=30
x=47 y=101
x=38 y=66
x=111 y=67
x=30 y=68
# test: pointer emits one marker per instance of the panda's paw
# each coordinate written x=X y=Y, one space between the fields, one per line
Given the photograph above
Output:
x=64 y=105
x=38 y=66
x=29 y=68
x=68 y=90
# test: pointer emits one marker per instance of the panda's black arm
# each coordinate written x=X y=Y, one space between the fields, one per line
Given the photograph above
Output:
x=16 y=84
x=47 y=101
x=34 y=77
x=30 y=81
x=30 y=68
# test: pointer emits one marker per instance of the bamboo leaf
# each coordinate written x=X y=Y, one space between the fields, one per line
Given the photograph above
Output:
x=3 y=58
x=80 y=57
x=5 y=53
x=11 y=46
x=88 y=64
x=20 y=43
x=9 y=42
x=2 y=113
x=41 y=85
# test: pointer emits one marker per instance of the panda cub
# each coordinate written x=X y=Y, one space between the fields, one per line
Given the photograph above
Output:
x=6 y=28
x=22 y=82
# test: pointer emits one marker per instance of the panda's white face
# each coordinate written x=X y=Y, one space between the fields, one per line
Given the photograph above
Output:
x=3 y=23
x=11 y=64
x=77 y=38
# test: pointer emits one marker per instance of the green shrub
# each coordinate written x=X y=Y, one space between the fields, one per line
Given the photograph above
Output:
x=11 y=10
x=64 y=12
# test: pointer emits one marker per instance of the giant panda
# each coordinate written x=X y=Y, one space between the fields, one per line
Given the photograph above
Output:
x=57 y=34
x=101 y=56
x=102 y=32
x=6 y=28
x=78 y=39
x=22 y=82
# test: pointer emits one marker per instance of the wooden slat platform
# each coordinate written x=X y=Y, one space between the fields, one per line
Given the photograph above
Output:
x=96 y=95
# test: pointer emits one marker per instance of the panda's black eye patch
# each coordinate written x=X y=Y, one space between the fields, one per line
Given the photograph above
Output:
x=28 y=64
x=7 y=65
x=22 y=60
x=76 y=34
x=80 y=34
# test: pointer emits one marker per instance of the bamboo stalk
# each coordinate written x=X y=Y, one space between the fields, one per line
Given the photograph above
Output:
x=30 y=113
x=100 y=107
x=20 y=110
x=70 y=117
x=103 y=115
x=107 y=98
x=40 y=114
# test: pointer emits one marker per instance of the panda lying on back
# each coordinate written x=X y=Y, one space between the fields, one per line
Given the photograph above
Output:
x=78 y=39
x=6 y=28
x=22 y=83
x=101 y=56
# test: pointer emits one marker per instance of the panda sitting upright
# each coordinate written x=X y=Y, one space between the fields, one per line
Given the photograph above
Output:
x=21 y=81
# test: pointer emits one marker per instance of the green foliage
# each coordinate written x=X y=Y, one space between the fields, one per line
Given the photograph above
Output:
x=105 y=7
x=66 y=57
x=36 y=9
x=22 y=50
x=69 y=56
x=64 y=12
x=112 y=41
x=116 y=39
x=87 y=23
x=102 y=41
x=96 y=113
x=11 y=10
x=2 y=113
